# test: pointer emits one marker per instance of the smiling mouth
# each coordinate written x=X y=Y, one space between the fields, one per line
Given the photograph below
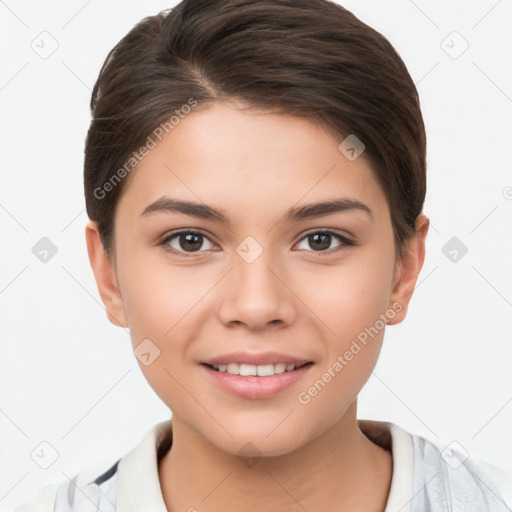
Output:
x=252 y=370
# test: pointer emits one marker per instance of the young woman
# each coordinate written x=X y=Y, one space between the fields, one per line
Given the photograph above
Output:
x=254 y=177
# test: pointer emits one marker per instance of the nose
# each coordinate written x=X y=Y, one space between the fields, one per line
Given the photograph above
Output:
x=257 y=295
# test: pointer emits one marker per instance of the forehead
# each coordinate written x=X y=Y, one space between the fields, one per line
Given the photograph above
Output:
x=249 y=161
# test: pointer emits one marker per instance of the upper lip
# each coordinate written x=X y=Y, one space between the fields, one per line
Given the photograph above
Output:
x=261 y=358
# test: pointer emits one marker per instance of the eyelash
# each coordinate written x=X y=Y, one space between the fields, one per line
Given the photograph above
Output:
x=345 y=241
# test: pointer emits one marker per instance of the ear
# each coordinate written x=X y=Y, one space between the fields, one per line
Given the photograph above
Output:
x=105 y=276
x=408 y=269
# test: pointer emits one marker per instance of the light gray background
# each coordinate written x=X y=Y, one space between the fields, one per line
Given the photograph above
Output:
x=68 y=377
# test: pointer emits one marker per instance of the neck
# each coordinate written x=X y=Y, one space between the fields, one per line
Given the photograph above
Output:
x=339 y=470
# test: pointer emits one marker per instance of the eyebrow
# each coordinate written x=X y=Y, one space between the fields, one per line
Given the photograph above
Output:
x=308 y=211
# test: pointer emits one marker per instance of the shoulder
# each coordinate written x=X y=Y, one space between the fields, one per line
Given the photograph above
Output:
x=87 y=491
x=432 y=475
x=44 y=501
x=448 y=476
x=132 y=480
x=501 y=477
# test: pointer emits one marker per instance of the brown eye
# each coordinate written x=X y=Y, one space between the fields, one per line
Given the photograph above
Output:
x=184 y=242
x=320 y=241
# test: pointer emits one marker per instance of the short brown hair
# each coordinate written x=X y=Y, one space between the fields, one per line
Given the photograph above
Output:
x=308 y=58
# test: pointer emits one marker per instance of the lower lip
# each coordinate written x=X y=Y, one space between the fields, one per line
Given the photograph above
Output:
x=256 y=387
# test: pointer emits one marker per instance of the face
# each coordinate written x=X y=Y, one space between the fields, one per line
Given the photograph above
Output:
x=250 y=273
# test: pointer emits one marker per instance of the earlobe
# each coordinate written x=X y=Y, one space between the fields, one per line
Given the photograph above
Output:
x=104 y=274
x=408 y=270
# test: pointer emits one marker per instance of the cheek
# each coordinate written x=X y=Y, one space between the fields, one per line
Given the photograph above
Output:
x=159 y=296
x=159 y=316
x=350 y=296
x=350 y=306
x=354 y=311
x=164 y=305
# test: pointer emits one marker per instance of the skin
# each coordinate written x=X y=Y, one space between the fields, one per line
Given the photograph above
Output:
x=295 y=298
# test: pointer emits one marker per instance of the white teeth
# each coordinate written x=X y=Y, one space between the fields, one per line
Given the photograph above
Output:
x=280 y=368
x=248 y=369
x=233 y=368
x=263 y=370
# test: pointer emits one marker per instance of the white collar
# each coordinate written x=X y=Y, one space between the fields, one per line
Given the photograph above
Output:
x=139 y=484
x=392 y=437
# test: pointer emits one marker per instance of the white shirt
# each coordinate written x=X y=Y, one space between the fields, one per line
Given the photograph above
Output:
x=426 y=478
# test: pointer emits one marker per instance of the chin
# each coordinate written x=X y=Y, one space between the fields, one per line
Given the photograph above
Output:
x=256 y=447
x=259 y=440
